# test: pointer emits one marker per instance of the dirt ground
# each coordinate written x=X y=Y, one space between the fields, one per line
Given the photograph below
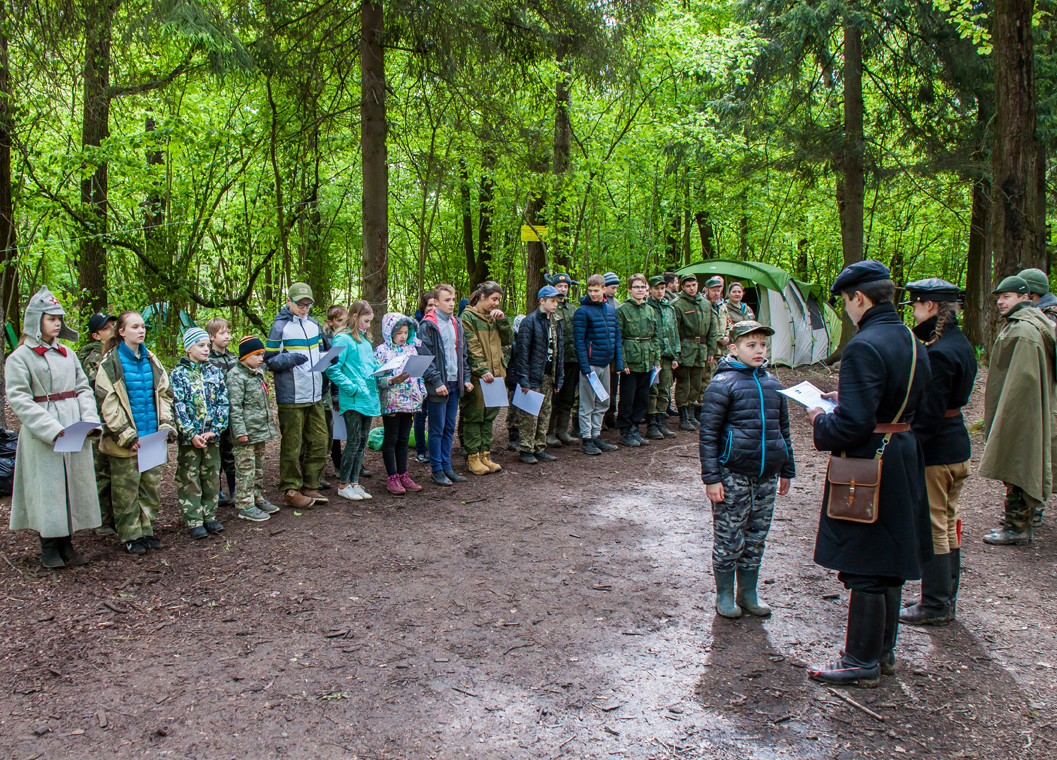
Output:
x=563 y=610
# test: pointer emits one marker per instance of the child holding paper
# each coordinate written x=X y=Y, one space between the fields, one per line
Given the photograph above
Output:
x=746 y=457
x=538 y=364
x=135 y=400
x=401 y=398
x=357 y=396
x=54 y=493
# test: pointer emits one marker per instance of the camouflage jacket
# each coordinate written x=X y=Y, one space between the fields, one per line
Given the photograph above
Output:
x=251 y=412
x=200 y=399
x=669 y=328
x=91 y=354
x=566 y=309
x=223 y=361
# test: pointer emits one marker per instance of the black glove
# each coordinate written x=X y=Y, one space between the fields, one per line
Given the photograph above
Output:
x=300 y=359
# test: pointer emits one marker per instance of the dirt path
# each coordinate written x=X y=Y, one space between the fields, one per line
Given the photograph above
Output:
x=554 y=611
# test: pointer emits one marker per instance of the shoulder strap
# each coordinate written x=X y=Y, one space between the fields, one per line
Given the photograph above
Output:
x=906 y=399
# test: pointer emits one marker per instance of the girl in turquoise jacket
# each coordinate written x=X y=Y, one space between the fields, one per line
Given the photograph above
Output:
x=357 y=396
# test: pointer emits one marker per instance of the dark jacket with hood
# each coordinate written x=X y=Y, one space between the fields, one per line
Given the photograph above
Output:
x=744 y=425
x=528 y=362
x=944 y=440
x=437 y=372
x=596 y=335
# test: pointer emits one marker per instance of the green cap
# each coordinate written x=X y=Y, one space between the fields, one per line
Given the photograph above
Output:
x=690 y=277
x=1012 y=285
x=656 y=280
x=299 y=291
x=1038 y=282
x=714 y=282
x=748 y=326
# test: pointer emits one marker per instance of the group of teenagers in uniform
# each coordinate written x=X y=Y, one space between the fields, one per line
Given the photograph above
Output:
x=897 y=437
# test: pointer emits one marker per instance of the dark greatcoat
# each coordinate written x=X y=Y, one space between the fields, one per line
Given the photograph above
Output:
x=874 y=372
x=944 y=440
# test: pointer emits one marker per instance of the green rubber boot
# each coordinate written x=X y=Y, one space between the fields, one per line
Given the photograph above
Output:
x=725 y=604
x=746 y=598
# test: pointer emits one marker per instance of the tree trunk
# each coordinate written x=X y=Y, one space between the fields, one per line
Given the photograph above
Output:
x=978 y=282
x=743 y=231
x=707 y=233
x=686 y=218
x=95 y=128
x=536 y=255
x=9 y=301
x=1042 y=236
x=485 y=207
x=466 y=224
x=674 y=239
x=374 y=156
x=1014 y=152
x=562 y=147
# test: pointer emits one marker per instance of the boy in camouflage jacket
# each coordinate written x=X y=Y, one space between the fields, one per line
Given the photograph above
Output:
x=251 y=428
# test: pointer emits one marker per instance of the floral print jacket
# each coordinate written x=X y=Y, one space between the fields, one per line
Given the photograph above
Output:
x=406 y=397
x=200 y=399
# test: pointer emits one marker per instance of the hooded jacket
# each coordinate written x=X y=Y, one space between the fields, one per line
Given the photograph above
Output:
x=669 y=328
x=1048 y=306
x=596 y=335
x=200 y=400
x=290 y=352
x=437 y=372
x=744 y=425
x=357 y=390
x=485 y=339
x=248 y=399
x=405 y=397
x=538 y=336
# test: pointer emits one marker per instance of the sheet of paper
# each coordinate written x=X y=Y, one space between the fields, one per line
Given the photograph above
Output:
x=390 y=366
x=494 y=392
x=655 y=375
x=324 y=360
x=340 y=433
x=808 y=395
x=596 y=385
x=529 y=400
x=417 y=364
x=72 y=438
x=153 y=450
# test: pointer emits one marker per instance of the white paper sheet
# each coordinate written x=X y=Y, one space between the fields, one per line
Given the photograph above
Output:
x=340 y=433
x=655 y=375
x=324 y=360
x=529 y=400
x=153 y=450
x=494 y=392
x=810 y=396
x=417 y=364
x=390 y=366
x=596 y=385
x=72 y=438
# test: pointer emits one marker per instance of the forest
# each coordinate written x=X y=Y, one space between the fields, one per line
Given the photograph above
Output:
x=200 y=156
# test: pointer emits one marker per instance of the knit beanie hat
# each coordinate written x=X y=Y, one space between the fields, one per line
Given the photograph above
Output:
x=249 y=346
x=192 y=335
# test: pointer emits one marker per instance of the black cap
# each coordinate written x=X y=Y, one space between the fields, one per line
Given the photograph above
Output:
x=98 y=321
x=859 y=273
x=932 y=289
x=554 y=279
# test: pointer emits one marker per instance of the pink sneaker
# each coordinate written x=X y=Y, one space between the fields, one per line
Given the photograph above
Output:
x=394 y=485
x=408 y=483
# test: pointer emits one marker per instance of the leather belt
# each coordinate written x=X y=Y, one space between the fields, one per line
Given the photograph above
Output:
x=953 y=412
x=696 y=340
x=639 y=340
x=892 y=427
x=55 y=397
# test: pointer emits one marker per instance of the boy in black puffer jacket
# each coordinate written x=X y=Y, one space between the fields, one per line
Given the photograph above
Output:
x=746 y=456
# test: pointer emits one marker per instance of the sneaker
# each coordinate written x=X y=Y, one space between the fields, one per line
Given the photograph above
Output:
x=213 y=526
x=408 y=483
x=105 y=530
x=423 y=458
x=266 y=506
x=359 y=489
x=349 y=492
x=546 y=456
x=394 y=486
x=197 y=532
x=590 y=449
x=152 y=542
x=253 y=514
x=136 y=547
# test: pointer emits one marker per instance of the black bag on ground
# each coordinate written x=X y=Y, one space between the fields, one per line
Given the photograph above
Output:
x=8 y=446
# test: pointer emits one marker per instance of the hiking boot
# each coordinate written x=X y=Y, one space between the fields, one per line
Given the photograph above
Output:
x=638 y=436
x=672 y=411
x=747 y=598
x=297 y=500
x=453 y=476
x=394 y=486
x=684 y=419
x=603 y=445
x=528 y=457
x=315 y=496
x=1008 y=537
x=253 y=514
x=70 y=555
x=440 y=479
x=49 y=553
x=266 y=506
x=350 y=492
x=1037 y=519
x=197 y=532
x=627 y=438
x=105 y=530
x=324 y=485
x=662 y=425
x=589 y=448
x=725 y=604
x=408 y=483
x=552 y=440
x=652 y=430
x=153 y=542
x=138 y=546
x=213 y=526
x=934 y=606
x=695 y=417
x=546 y=456
x=860 y=663
x=486 y=460
x=476 y=466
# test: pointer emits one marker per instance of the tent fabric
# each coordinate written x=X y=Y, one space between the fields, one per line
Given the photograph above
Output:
x=806 y=328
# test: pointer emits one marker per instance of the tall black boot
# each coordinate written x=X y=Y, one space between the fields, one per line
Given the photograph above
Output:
x=893 y=603
x=956 y=577
x=684 y=419
x=862 y=649
x=231 y=484
x=695 y=416
x=49 y=553
x=934 y=607
x=69 y=554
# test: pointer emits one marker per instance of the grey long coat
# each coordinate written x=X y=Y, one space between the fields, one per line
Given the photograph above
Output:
x=54 y=494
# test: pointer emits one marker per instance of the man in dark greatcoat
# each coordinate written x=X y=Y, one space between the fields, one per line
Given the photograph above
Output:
x=876 y=400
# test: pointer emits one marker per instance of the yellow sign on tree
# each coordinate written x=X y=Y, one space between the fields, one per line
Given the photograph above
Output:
x=533 y=233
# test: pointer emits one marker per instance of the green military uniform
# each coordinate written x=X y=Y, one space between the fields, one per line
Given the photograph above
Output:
x=660 y=392
x=641 y=342
x=698 y=336
x=567 y=400
x=251 y=417
x=90 y=356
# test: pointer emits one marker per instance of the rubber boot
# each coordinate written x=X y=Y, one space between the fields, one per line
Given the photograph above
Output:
x=956 y=577
x=476 y=466
x=49 y=553
x=860 y=663
x=561 y=428
x=231 y=485
x=652 y=429
x=747 y=598
x=70 y=555
x=662 y=425
x=684 y=419
x=934 y=606
x=725 y=604
x=552 y=441
x=893 y=603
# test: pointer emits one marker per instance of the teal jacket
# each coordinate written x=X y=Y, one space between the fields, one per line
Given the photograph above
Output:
x=357 y=390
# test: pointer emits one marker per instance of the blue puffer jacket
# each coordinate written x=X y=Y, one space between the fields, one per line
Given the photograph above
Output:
x=744 y=425
x=596 y=335
x=139 y=384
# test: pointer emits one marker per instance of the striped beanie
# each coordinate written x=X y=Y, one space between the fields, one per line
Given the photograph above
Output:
x=192 y=335
x=249 y=346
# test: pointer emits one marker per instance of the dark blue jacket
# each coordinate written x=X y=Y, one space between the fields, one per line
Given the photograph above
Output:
x=139 y=384
x=944 y=440
x=596 y=335
x=744 y=425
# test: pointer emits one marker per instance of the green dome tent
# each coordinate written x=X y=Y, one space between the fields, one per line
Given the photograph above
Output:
x=806 y=328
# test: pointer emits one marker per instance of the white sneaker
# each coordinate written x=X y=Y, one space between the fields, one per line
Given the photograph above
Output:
x=351 y=493
x=362 y=494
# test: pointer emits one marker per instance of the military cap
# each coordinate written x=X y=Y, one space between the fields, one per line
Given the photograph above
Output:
x=714 y=282
x=689 y=277
x=1038 y=282
x=859 y=273
x=932 y=289
x=560 y=277
x=656 y=280
x=1012 y=285
x=611 y=278
x=548 y=291
x=748 y=326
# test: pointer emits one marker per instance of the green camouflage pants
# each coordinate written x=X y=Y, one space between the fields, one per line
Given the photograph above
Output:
x=477 y=423
x=1020 y=508
x=198 y=482
x=249 y=473
x=135 y=496
x=102 y=484
x=302 y=424
x=533 y=430
x=741 y=521
x=689 y=388
x=660 y=392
